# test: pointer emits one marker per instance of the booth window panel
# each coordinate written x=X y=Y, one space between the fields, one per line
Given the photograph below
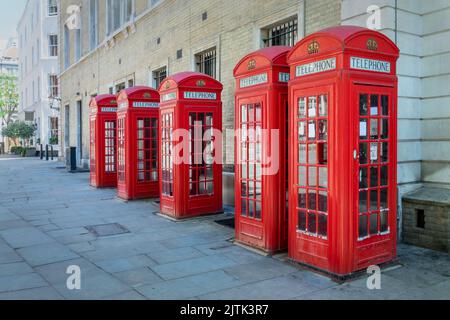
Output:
x=373 y=165
x=166 y=154
x=201 y=180
x=110 y=146
x=92 y=149
x=251 y=157
x=147 y=149
x=312 y=165
x=121 y=149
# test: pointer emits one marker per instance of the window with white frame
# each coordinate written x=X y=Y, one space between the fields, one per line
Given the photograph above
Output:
x=53 y=85
x=281 y=34
x=206 y=62
x=118 y=13
x=66 y=47
x=52 y=7
x=54 y=130
x=93 y=24
x=78 y=49
x=158 y=76
x=53 y=45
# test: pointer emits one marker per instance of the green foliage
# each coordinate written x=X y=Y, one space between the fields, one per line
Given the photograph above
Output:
x=17 y=150
x=18 y=129
x=9 y=97
x=53 y=140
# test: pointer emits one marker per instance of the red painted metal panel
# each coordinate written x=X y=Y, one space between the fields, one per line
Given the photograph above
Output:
x=103 y=109
x=138 y=143
x=261 y=106
x=191 y=183
x=342 y=153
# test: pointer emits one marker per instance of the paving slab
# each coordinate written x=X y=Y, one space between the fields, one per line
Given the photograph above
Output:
x=11 y=269
x=21 y=281
x=124 y=264
x=43 y=293
x=46 y=254
x=174 y=255
x=25 y=237
x=138 y=277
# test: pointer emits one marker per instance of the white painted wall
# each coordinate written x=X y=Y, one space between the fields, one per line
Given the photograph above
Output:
x=37 y=33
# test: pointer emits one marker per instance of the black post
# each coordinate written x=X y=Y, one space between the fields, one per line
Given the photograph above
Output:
x=41 y=152
x=73 y=158
x=51 y=152
x=46 y=152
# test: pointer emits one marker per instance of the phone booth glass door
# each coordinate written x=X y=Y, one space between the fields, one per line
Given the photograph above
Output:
x=373 y=112
x=312 y=163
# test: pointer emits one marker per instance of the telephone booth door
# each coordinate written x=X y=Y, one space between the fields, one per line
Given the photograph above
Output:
x=102 y=125
x=343 y=183
x=261 y=149
x=138 y=149
x=191 y=146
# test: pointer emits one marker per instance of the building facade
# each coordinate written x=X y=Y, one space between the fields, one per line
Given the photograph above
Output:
x=122 y=43
x=39 y=69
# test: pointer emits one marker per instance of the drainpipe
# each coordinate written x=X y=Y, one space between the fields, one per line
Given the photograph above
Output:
x=396 y=20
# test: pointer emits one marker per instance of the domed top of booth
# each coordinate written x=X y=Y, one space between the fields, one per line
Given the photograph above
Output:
x=262 y=59
x=103 y=100
x=191 y=80
x=138 y=93
x=343 y=38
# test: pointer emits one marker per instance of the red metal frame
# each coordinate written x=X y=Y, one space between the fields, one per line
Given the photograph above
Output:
x=138 y=147
x=190 y=101
x=102 y=125
x=327 y=171
x=261 y=104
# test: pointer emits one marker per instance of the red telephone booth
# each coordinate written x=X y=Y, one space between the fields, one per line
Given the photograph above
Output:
x=137 y=139
x=261 y=117
x=343 y=163
x=191 y=120
x=102 y=123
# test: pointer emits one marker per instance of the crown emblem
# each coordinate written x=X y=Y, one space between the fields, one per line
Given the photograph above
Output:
x=313 y=47
x=147 y=95
x=251 y=64
x=201 y=83
x=372 y=45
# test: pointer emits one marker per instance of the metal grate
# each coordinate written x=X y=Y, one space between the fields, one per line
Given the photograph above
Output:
x=105 y=230
x=206 y=62
x=284 y=34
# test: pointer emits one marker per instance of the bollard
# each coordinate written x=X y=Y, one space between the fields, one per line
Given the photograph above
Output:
x=51 y=152
x=41 y=152
x=46 y=152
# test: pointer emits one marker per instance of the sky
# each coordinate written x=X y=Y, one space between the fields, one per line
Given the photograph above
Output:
x=10 y=13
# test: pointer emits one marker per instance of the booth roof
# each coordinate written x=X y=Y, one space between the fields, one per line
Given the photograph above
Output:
x=137 y=92
x=103 y=99
x=181 y=77
x=270 y=53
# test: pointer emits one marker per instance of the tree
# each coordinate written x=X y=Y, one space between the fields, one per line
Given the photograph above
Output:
x=9 y=98
x=19 y=130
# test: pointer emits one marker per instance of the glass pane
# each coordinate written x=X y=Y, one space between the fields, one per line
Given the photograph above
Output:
x=302 y=176
x=373 y=176
x=243 y=114
x=362 y=230
x=374 y=128
x=323 y=129
x=312 y=200
x=258 y=210
x=323 y=177
x=244 y=188
x=312 y=223
x=384 y=216
x=258 y=116
x=302 y=107
x=363 y=178
x=384 y=199
x=312 y=154
x=383 y=176
x=302 y=131
x=363 y=129
x=374 y=152
x=302 y=198
x=323 y=105
x=302 y=220
x=385 y=105
x=244 y=171
x=312 y=176
x=363 y=153
x=302 y=154
x=363 y=201
x=384 y=152
x=323 y=201
x=384 y=128
x=251 y=209
x=322 y=227
x=312 y=130
x=373 y=200
x=374 y=105
x=363 y=104
x=373 y=224
x=244 y=207
x=312 y=107
x=322 y=153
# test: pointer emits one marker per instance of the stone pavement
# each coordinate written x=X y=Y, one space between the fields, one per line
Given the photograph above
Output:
x=44 y=212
